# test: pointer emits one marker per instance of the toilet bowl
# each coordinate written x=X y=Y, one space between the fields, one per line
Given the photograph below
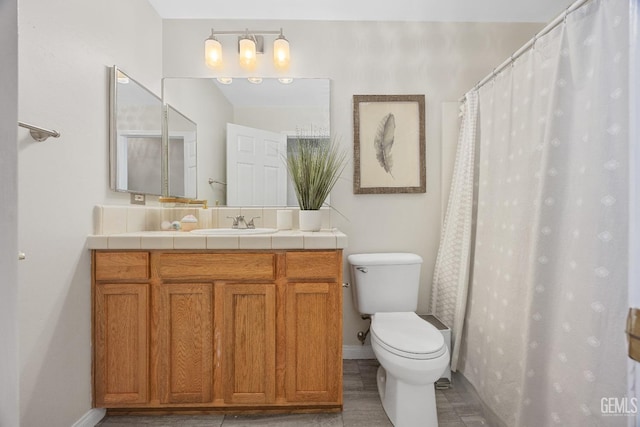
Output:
x=412 y=352
x=412 y=356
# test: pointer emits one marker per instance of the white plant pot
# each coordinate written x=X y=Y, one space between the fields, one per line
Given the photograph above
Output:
x=310 y=220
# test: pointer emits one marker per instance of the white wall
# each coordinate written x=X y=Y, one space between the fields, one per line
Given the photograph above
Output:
x=9 y=406
x=440 y=60
x=65 y=50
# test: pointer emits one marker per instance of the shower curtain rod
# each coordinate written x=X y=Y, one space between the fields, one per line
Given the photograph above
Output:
x=559 y=19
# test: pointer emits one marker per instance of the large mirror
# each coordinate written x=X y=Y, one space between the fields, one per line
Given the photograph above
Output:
x=253 y=118
x=152 y=146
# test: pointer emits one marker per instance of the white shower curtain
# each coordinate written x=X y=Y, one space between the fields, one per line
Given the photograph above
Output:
x=544 y=334
x=451 y=273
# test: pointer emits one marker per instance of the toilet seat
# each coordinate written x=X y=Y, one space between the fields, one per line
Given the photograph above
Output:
x=407 y=335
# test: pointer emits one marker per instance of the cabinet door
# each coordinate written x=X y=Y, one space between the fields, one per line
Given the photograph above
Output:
x=121 y=344
x=313 y=342
x=249 y=343
x=184 y=318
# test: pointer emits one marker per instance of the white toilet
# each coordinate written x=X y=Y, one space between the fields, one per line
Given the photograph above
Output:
x=412 y=352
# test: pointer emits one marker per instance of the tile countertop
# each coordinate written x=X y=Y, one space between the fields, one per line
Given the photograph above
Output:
x=283 y=239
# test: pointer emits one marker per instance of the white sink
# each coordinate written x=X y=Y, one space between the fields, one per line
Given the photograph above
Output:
x=233 y=231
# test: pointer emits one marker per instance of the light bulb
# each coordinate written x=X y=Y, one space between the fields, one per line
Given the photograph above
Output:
x=281 y=53
x=212 y=52
x=247 y=52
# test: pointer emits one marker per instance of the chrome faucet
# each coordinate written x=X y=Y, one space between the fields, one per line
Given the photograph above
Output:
x=240 y=223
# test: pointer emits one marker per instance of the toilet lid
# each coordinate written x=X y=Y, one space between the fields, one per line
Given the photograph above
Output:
x=407 y=335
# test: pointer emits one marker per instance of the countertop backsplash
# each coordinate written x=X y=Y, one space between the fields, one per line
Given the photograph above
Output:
x=132 y=228
x=118 y=219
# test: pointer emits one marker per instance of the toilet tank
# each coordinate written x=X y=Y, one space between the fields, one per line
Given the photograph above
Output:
x=385 y=282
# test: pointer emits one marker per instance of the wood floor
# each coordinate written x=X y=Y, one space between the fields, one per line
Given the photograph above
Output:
x=458 y=406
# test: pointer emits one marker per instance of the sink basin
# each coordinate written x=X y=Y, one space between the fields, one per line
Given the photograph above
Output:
x=233 y=231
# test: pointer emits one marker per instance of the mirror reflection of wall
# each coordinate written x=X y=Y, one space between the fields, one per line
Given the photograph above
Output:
x=182 y=155
x=300 y=108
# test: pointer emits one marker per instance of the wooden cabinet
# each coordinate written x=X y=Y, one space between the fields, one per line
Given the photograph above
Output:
x=183 y=314
x=121 y=346
x=313 y=331
x=240 y=331
x=249 y=343
x=313 y=343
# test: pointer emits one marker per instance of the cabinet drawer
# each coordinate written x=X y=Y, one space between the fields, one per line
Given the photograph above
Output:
x=122 y=265
x=313 y=265
x=230 y=266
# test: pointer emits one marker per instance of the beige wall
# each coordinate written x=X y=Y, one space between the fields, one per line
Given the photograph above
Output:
x=440 y=60
x=65 y=50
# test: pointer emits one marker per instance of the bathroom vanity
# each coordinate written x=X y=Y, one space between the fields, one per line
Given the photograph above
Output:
x=217 y=330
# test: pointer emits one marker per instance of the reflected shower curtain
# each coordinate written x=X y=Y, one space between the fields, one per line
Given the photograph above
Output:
x=544 y=331
x=451 y=273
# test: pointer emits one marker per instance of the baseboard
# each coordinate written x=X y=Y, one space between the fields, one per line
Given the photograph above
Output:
x=357 y=352
x=91 y=418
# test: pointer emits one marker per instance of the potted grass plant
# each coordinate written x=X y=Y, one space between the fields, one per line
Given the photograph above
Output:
x=314 y=165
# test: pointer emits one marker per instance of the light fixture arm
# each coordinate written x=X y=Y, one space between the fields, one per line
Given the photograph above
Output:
x=246 y=32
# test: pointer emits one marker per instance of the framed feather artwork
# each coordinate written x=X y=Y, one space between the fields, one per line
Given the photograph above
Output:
x=389 y=144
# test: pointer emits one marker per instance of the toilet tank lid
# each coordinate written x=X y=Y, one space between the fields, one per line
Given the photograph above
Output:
x=394 y=258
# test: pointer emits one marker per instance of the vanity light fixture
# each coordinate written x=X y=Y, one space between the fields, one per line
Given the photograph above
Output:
x=255 y=80
x=285 y=80
x=225 y=80
x=250 y=44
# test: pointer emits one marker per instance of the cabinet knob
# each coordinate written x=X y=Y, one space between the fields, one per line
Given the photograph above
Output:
x=21 y=256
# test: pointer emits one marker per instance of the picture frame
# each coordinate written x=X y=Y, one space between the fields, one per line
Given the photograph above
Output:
x=389 y=144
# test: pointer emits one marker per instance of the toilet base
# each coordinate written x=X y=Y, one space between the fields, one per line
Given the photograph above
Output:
x=407 y=405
